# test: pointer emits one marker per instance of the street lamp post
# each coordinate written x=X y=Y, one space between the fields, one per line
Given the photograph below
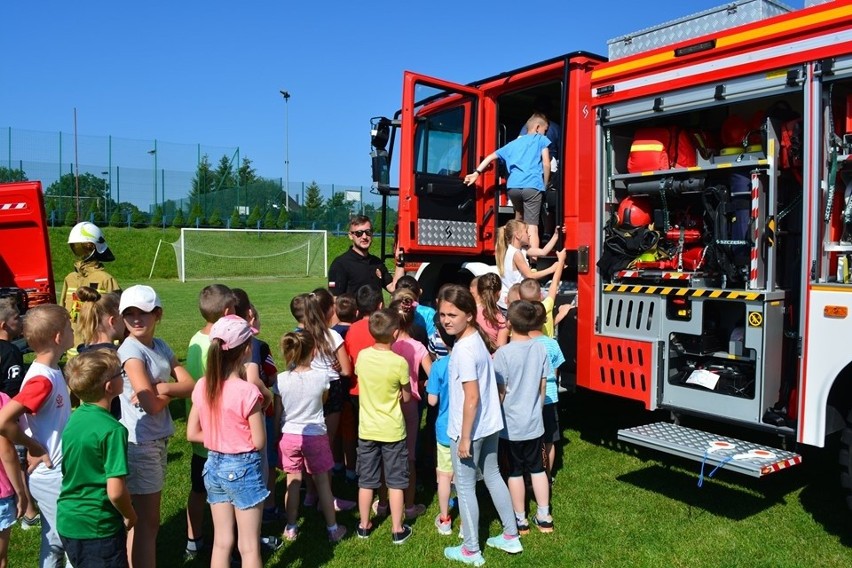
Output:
x=154 y=153
x=107 y=196
x=286 y=95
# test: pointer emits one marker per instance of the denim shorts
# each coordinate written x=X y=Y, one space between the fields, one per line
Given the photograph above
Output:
x=146 y=463
x=110 y=551
x=8 y=512
x=235 y=479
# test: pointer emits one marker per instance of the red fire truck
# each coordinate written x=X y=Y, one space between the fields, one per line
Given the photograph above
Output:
x=705 y=191
x=26 y=272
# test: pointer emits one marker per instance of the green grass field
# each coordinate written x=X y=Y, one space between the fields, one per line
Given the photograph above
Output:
x=613 y=505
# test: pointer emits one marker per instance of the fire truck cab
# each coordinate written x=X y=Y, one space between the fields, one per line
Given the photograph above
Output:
x=447 y=229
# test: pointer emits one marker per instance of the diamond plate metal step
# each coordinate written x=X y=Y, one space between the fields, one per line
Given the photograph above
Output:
x=738 y=455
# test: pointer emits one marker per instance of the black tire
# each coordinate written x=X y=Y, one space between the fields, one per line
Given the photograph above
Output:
x=845 y=458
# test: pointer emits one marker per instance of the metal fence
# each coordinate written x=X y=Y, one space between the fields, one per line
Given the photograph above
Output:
x=156 y=177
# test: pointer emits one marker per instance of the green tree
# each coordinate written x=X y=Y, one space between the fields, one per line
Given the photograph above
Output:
x=338 y=209
x=313 y=207
x=236 y=220
x=215 y=220
x=246 y=173
x=204 y=180
x=253 y=217
x=157 y=217
x=116 y=219
x=178 y=221
x=70 y=218
x=9 y=175
x=139 y=219
x=224 y=177
x=93 y=192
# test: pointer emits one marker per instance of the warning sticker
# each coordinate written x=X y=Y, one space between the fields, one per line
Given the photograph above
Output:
x=755 y=319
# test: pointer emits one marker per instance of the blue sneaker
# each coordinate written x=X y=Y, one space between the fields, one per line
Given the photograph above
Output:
x=463 y=556
x=512 y=545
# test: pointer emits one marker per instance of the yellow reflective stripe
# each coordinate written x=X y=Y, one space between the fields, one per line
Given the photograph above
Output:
x=648 y=147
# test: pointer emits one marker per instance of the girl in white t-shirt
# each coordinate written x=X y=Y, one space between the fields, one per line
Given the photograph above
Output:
x=149 y=366
x=227 y=417
x=511 y=250
x=330 y=357
x=475 y=421
x=304 y=436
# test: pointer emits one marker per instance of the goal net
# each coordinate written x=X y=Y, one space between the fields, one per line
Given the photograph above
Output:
x=250 y=253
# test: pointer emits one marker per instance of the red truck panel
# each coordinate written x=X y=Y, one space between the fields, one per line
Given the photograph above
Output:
x=24 y=246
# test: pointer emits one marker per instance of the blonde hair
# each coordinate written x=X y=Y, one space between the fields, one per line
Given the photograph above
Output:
x=95 y=309
x=530 y=290
x=43 y=323
x=297 y=347
x=88 y=372
x=505 y=235
x=536 y=120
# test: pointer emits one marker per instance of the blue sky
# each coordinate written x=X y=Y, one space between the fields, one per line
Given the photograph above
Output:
x=210 y=72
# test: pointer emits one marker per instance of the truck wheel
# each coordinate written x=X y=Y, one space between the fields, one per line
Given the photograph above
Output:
x=846 y=460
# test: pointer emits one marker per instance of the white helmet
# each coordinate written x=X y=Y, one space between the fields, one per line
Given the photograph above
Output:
x=83 y=233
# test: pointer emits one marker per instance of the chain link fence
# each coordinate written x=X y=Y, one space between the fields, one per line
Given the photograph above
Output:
x=128 y=182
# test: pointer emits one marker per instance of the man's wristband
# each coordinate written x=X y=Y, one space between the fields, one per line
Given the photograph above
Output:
x=477 y=172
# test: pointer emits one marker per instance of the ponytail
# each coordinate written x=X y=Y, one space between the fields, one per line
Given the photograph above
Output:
x=95 y=308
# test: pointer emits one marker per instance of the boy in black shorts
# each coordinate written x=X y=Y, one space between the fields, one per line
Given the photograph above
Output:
x=521 y=368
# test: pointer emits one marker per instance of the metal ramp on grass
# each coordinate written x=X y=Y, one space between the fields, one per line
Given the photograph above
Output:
x=729 y=453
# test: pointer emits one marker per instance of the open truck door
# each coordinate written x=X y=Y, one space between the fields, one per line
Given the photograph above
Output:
x=438 y=212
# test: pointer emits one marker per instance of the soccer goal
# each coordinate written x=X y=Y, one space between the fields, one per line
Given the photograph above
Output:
x=220 y=254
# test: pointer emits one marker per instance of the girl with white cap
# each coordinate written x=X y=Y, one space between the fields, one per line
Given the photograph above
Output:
x=149 y=365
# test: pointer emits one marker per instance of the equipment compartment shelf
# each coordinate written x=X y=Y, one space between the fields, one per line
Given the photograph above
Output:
x=754 y=164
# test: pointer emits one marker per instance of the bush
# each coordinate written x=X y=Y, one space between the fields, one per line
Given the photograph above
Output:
x=116 y=219
x=269 y=221
x=138 y=219
x=157 y=217
x=215 y=220
x=70 y=218
x=178 y=221
x=236 y=220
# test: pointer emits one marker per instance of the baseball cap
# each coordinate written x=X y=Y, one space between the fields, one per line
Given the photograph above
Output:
x=232 y=331
x=139 y=296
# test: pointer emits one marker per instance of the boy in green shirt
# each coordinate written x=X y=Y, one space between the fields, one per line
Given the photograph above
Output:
x=94 y=507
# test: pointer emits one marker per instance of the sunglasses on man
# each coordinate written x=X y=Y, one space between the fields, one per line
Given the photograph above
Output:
x=359 y=234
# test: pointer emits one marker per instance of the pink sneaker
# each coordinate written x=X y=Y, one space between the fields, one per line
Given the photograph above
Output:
x=291 y=533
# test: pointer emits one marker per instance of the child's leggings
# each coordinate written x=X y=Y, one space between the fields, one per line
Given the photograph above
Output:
x=483 y=458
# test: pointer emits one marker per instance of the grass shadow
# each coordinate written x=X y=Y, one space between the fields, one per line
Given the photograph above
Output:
x=724 y=496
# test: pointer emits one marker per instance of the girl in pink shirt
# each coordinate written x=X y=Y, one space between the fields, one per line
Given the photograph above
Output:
x=488 y=315
x=418 y=358
x=227 y=417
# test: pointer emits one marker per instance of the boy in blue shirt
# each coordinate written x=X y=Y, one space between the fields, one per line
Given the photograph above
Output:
x=437 y=387
x=525 y=157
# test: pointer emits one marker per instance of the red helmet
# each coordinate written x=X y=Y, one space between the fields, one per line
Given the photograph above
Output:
x=634 y=212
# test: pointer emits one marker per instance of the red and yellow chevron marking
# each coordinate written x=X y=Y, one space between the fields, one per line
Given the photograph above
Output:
x=778 y=466
x=755 y=215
